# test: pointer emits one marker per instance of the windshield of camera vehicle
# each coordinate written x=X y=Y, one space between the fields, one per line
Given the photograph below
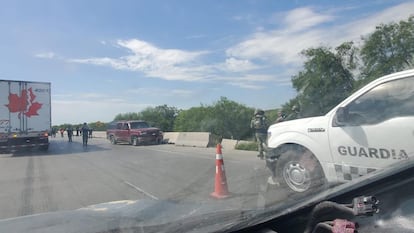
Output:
x=253 y=104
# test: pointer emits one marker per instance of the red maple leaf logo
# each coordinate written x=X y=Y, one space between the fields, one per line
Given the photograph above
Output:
x=24 y=103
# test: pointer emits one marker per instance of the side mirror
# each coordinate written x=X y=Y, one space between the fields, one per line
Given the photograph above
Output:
x=341 y=116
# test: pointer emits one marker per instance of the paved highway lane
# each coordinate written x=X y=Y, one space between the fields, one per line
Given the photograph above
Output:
x=69 y=176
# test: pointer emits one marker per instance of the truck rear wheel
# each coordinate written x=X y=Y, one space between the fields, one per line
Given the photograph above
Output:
x=299 y=170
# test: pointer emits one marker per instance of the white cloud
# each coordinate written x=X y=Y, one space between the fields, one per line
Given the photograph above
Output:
x=104 y=61
x=303 y=18
x=239 y=65
x=169 y=64
x=247 y=81
x=161 y=92
x=362 y=27
x=47 y=55
x=303 y=29
x=246 y=63
x=173 y=64
x=248 y=78
x=145 y=55
x=247 y=85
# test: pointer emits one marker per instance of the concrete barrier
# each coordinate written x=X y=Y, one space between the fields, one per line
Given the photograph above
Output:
x=229 y=144
x=170 y=137
x=98 y=134
x=195 y=139
x=243 y=141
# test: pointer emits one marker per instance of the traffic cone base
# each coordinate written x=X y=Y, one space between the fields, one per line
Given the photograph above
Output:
x=220 y=186
x=219 y=196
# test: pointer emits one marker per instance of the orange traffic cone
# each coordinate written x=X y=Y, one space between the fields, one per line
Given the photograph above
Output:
x=220 y=187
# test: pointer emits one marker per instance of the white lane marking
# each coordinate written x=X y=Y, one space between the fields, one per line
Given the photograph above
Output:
x=141 y=190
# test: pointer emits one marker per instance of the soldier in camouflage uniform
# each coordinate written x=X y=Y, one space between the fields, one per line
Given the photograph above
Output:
x=259 y=124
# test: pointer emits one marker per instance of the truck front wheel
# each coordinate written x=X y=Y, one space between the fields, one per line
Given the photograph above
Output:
x=300 y=171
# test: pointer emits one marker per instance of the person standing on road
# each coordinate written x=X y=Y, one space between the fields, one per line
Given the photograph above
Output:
x=69 y=130
x=61 y=132
x=85 y=133
x=77 y=131
x=259 y=125
x=90 y=132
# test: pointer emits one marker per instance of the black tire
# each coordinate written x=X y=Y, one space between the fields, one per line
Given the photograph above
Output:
x=112 y=139
x=299 y=171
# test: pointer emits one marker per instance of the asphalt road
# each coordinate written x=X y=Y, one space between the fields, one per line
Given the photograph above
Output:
x=69 y=176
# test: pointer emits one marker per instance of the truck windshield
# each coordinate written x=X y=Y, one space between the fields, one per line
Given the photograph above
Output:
x=139 y=125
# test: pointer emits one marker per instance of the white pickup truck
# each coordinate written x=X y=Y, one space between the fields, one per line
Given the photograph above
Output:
x=371 y=129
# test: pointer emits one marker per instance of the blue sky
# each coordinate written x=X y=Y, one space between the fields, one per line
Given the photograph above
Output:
x=108 y=57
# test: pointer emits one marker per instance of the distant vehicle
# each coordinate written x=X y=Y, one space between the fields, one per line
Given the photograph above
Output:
x=368 y=131
x=133 y=132
x=25 y=115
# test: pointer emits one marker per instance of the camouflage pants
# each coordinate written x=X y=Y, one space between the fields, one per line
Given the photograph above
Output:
x=261 y=139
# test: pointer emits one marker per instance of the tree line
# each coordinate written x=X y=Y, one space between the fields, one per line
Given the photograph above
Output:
x=225 y=118
x=328 y=76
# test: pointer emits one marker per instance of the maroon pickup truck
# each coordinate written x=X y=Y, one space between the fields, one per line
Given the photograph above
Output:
x=133 y=132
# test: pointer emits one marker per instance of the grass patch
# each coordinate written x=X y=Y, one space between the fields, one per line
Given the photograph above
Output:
x=250 y=146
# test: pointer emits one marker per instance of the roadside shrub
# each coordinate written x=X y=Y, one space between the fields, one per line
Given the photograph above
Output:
x=250 y=146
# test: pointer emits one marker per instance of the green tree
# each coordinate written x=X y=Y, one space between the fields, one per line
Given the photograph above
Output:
x=325 y=80
x=232 y=119
x=389 y=49
x=127 y=116
x=225 y=118
x=161 y=116
x=97 y=126
x=288 y=106
x=193 y=120
x=271 y=115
